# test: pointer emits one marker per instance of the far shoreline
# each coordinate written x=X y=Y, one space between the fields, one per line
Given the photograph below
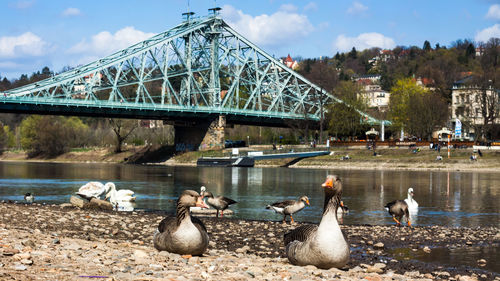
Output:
x=392 y=160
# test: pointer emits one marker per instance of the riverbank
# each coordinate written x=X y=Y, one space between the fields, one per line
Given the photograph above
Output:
x=50 y=242
x=359 y=158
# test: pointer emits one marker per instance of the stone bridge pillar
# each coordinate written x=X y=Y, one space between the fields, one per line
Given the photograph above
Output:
x=201 y=135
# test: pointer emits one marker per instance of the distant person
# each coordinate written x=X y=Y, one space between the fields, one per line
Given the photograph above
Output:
x=480 y=153
x=274 y=146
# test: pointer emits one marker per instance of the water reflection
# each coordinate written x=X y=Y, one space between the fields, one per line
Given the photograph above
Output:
x=445 y=198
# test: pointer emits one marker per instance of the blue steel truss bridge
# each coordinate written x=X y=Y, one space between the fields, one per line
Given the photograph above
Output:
x=200 y=69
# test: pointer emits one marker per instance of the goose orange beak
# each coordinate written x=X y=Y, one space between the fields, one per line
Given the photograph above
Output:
x=307 y=201
x=342 y=203
x=328 y=183
x=201 y=203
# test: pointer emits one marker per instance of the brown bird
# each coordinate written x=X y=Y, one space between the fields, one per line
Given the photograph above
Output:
x=220 y=203
x=289 y=207
x=397 y=209
x=323 y=246
x=183 y=234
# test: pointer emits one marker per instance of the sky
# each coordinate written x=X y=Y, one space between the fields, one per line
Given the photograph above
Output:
x=59 y=33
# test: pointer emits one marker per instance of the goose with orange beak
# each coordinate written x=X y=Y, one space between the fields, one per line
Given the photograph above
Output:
x=323 y=246
x=183 y=234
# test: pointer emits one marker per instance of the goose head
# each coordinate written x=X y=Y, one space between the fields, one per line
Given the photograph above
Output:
x=304 y=199
x=332 y=185
x=191 y=198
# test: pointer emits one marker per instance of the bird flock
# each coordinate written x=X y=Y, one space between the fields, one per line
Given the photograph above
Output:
x=323 y=245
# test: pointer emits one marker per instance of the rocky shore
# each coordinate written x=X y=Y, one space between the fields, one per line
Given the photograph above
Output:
x=51 y=242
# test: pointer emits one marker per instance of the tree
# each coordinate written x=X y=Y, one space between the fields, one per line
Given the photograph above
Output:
x=427 y=46
x=416 y=109
x=4 y=138
x=122 y=129
x=487 y=82
x=426 y=112
x=344 y=118
x=353 y=54
x=51 y=135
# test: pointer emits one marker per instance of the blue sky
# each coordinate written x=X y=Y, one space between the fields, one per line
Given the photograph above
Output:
x=58 y=33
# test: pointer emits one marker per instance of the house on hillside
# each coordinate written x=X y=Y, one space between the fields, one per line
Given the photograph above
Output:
x=373 y=94
x=288 y=61
x=91 y=80
x=466 y=104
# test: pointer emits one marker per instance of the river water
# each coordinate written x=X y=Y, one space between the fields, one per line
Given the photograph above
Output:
x=468 y=199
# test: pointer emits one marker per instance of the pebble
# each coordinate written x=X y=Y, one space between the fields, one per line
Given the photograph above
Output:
x=112 y=248
x=427 y=249
x=20 y=267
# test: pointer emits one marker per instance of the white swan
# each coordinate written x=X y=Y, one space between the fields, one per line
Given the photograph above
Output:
x=412 y=204
x=116 y=196
x=93 y=189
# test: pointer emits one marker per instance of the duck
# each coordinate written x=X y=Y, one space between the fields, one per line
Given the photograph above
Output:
x=220 y=203
x=29 y=198
x=93 y=189
x=289 y=207
x=122 y=195
x=397 y=209
x=183 y=234
x=323 y=246
x=412 y=204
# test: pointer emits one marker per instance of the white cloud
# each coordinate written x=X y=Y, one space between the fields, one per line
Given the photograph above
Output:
x=364 y=41
x=26 y=44
x=22 y=4
x=105 y=43
x=494 y=12
x=282 y=27
x=487 y=33
x=288 y=8
x=311 y=6
x=69 y=12
x=357 y=8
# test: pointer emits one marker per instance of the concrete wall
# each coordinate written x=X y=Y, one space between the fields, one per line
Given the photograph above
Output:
x=207 y=135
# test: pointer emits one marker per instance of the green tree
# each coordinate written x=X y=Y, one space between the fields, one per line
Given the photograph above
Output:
x=415 y=109
x=3 y=138
x=399 y=102
x=11 y=138
x=50 y=136
x=343 y=118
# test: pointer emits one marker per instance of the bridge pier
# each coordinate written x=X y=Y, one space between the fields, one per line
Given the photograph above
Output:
x=206 y=135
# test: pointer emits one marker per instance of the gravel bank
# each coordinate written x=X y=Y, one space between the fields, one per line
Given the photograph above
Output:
x=41 y=242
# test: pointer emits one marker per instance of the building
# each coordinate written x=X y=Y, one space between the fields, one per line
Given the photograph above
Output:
x=466 y=105
x=79 y=88
x=288 y=61
x=373 y=94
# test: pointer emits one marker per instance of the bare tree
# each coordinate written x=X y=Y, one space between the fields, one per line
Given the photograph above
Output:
x=122 y=128
x=487 y=82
